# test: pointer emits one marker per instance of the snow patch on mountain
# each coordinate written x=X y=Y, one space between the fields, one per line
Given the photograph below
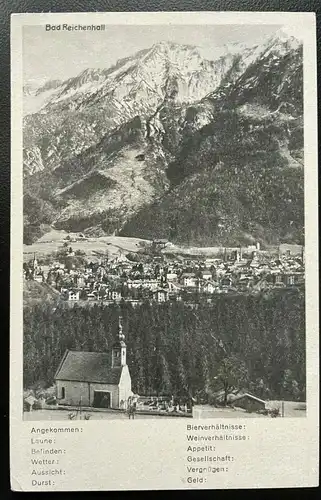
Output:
x=33 y=160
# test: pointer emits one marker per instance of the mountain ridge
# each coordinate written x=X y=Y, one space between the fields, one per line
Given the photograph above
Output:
x=139 y=138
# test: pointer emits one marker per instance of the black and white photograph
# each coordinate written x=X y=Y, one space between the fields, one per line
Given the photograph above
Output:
x=163 y=222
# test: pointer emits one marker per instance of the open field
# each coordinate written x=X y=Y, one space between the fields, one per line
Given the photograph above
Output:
x=117 y=245
x=58 y=415
x=93 y=247
x=114 y=245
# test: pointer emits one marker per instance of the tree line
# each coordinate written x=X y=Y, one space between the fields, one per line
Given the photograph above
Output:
x=241 y=341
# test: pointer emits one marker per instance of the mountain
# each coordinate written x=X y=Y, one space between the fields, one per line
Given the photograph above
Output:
x=99 y=100
x=167 y=143
x=37 y=94
x=240 y=177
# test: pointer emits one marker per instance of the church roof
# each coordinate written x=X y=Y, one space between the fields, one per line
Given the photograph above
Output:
x=81 y=366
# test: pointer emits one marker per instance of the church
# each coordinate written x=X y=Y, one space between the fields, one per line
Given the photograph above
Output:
x=95 y=379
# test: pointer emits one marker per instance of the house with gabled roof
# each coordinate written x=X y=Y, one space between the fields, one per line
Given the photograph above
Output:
x=248 y=402
x=96 y=379
x=188 y=279
x=206 y=274
x=209 y=286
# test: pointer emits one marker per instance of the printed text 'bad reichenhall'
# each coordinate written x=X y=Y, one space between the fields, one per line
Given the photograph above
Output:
x=75 y=27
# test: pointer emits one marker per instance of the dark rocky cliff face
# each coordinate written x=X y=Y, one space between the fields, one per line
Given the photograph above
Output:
x=212 y=160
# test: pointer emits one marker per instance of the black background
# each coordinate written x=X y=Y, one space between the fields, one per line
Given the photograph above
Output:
x=14 y=6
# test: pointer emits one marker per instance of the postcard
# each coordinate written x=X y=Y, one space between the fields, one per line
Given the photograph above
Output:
x=164 y=251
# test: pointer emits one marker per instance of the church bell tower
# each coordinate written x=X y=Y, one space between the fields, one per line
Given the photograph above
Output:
x=118 y=357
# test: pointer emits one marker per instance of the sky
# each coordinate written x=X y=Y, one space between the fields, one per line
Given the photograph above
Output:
x=60 y=55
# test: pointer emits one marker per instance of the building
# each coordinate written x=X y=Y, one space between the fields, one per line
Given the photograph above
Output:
x=188 y=279
x=277 y=278
x=249 y=402
x=289 y=279
x=80 y=281
x=206 y=275
x=261 y=284
x=114 y=294
x=71 y=295
x=209 y=287
x=226 y=281
x=160 y=295
x=159 y=244
x=39 y=277
x=101 y=380
x=34 y=266
x=171 y=276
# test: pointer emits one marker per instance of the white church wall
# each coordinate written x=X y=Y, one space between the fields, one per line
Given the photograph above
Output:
x=74 y=392
x=125 y=385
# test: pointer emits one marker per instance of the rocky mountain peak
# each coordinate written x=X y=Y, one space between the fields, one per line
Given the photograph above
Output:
x=89 y=75
x=281 y=43
x=168 y=48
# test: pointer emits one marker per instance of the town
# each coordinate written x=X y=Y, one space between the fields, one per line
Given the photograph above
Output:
x=154 y=275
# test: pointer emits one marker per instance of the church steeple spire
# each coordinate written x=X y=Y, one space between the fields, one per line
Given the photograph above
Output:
x=121 y=335
x=119 y=347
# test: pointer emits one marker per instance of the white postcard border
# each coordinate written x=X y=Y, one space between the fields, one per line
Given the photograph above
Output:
x=151 y=455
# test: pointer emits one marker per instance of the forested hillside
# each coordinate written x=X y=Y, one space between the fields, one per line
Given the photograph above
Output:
x=255 y=342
